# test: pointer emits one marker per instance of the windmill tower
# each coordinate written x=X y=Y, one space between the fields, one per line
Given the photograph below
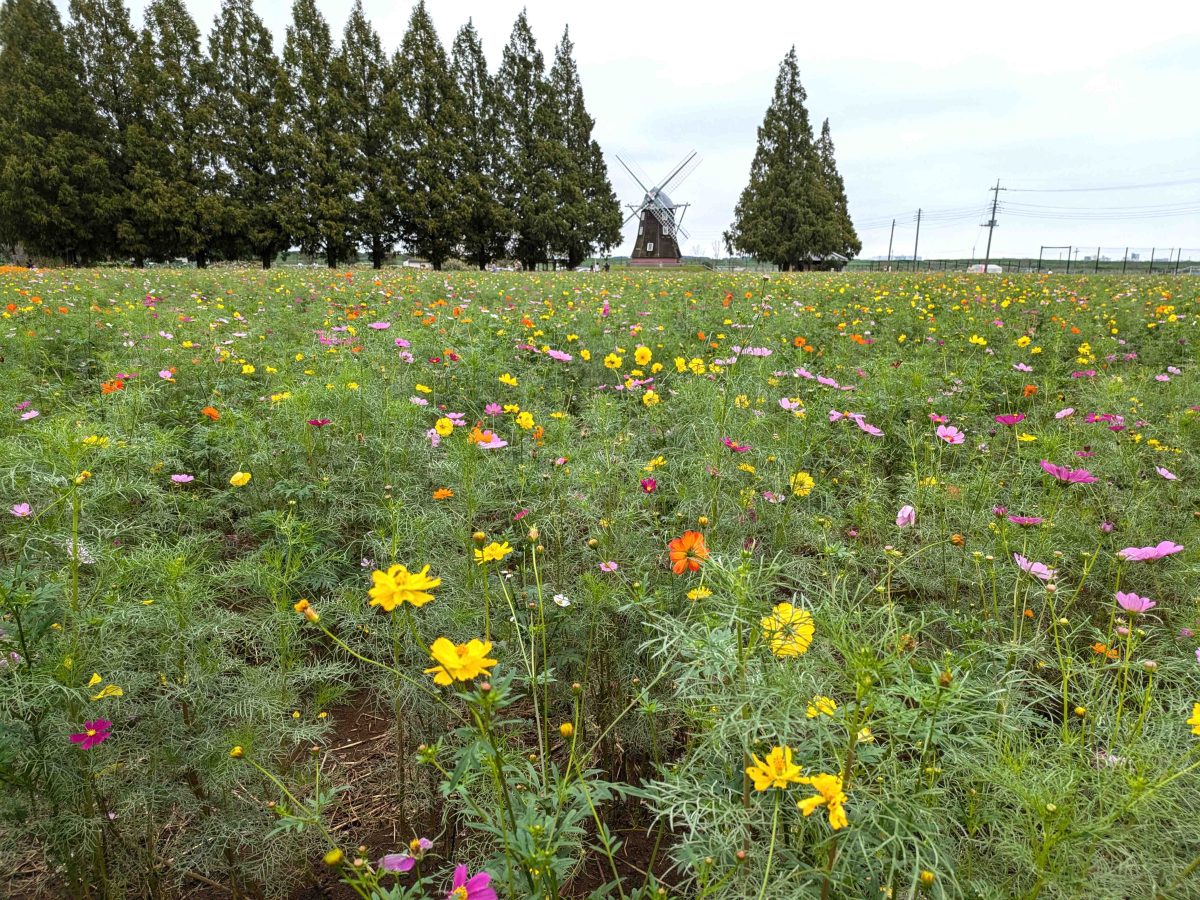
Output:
x=661 y=219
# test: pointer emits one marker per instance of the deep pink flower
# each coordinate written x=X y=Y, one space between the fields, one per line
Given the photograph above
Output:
x=906 y=517
x=520 y=515
x=474 y=888
x=1145 y=554
x=1036 y=569
x=999 y=511
x=950 y=434
x=1132 y=603
x=95 y=732
x=648 y=485
x=319 y=423
x=403 y=862
x=937 y=419
x=1070 y=476
x=1011 y=418
x=1107 y=527
x=735 y=447
x=1025 y=520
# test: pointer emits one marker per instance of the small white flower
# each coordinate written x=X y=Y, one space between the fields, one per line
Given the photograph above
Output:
x=562 y=600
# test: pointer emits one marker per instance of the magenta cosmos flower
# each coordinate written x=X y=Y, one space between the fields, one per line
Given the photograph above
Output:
x=648 y=485
x=950 y=434
x=734 y=446
x=1025 y=520
x=1145 y=554
x=1036 y=569
x=1132 y=603
x=477 y=887
x=906 y=517
x=1011 y=418
x=403 y=862
x=1069 y=476
x=95 y=732
x=319 y=423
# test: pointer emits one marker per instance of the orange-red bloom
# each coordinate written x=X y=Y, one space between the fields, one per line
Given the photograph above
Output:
x=210 y=412
x=687 y=552
x=111 y=387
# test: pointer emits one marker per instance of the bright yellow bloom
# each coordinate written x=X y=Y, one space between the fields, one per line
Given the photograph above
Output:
x=612 y=361
x=651 y=398
x=109 y=690
x=1026 y=437
x=1194 y=721
x=821 y=706
x=789 y=630
x=657 y=463
x=247 y=369
x=525 y=420
x=240 y=479
x=830 y=795
x=397 y=586
x=864 y=736
x=777 y=770
x=802 y=484
x=423 y=389
x=699 y=593
x=493 y=552
x=508 y=379
x=643 y=355
x=443 y=426
x=459 y=662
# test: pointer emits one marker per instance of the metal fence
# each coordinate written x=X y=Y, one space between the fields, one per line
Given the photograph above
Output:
x=1059 y=260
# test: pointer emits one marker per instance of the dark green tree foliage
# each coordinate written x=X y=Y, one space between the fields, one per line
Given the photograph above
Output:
x=363 y=81
x=431 y=127
x=103 y=42
x=487 y=223
x=173 y=206
x=786 y=214
x=55 y=184
x=246 y=94
x=848 y=243
x=318 y=205
x=588 y=212
x=530 y=134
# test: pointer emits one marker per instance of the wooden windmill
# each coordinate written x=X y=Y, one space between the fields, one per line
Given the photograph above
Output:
x=661 y=219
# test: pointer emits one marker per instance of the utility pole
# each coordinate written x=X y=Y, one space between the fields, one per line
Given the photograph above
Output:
x=991 y=224
x=917 y=242
x=890 y=236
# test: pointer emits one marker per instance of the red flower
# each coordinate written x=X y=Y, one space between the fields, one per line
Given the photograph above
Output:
x=687 y=552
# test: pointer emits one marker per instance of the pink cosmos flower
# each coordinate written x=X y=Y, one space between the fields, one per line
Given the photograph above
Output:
x=493 y=409
x=182 y=478
x=1022 y=367
x=401 y=342
x=1011 y=418
x=418 y=401
x=648 y=485
x=1069 y=476
x=165 y=374
x=32 y=414
x=319 y=423
x=380 y=326
x=1145 y=554
x=435 y=439
x=403 y=862
x=95 y=732
x=1025 y=520
x=609 y=566
x=906 y=517
x=559 y=355
x=495 y=443
x=937 y=419
x=1065 y=413
x=1107 y=527
x=788 y=403
x=1132 y=603
x=520 y=515
x=1165 y=473
x=21 y=510
x=999 y=511
x=735 y=447
x=474 y=888
x=1036 y=569
x=950 y=434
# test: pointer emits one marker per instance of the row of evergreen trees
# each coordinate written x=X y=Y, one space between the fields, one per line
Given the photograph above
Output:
x=793 y=212
x=116 y=143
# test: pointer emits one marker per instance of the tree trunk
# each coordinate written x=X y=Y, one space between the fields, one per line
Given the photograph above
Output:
x=139 y=262
x=201 y=259
x=331 y=256
x=376 y=252
x=266 y=257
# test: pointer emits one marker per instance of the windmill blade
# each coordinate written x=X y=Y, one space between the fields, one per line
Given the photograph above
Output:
x=683 y=231
x=645 y=190
x=687 y=170
x=679 y=168
x=633 y=215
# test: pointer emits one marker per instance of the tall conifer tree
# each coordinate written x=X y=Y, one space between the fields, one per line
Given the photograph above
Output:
x=55 y=183
x=249 y=125
x=363 y=81
x=786 y=214
x=846 y=240
x=528 y=131
x=487 y=224
x=314 y=149
x=430 y=124
x=588 y=212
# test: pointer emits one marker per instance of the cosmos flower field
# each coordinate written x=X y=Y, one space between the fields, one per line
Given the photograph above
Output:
x=413 y=584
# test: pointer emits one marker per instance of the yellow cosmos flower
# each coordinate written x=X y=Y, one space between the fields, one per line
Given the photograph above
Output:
x=776 y=771
x=802 y=484
x=240 y=479
x=459 y=662
x=1026 y=437
x=1194 y=721
x=788 y=630
x=830 y=795
x=247 y=369
x=525 y=420
x=651 y=398
x=397 y=586
x=643 y=355
x=508 y=379
x=493 y=552
x=612 y=361
x=821 y=706
x=423 y=389
x=443 y=426
x=699 y=593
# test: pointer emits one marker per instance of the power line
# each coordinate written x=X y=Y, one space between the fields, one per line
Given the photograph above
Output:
x=1111 y=187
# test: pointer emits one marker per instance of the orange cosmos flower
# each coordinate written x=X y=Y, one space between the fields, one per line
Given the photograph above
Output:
x=443 y=494
x=111 y=387
x=687 y=552
x=1030 y=390
x=210 y=412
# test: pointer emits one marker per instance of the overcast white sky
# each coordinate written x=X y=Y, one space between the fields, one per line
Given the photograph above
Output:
x=929 y=103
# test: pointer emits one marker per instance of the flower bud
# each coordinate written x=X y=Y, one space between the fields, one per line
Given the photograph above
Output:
x=534 y=533
x=334 y=857
x=566 y=729
x=237 y=752
x=485 y=687
x=479 y=537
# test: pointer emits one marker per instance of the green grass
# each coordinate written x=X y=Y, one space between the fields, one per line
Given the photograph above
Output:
x=1022 y=741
